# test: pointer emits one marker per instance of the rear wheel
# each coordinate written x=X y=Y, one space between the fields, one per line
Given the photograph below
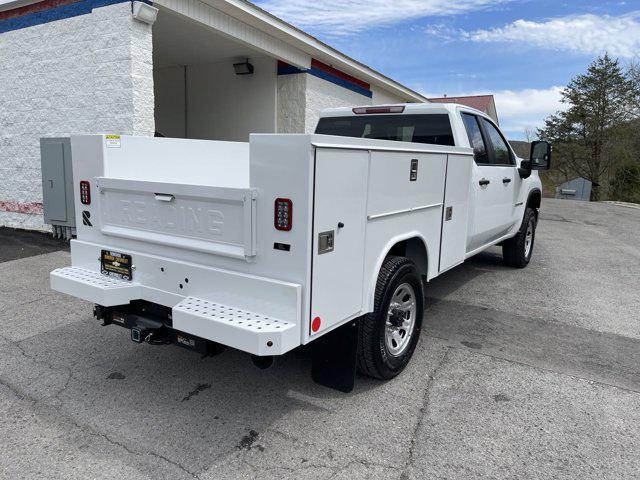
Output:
x=388 y=336
x=517 y=251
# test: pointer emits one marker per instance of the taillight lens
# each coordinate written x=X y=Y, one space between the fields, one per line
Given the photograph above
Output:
x=283 y=214
x=85 y=192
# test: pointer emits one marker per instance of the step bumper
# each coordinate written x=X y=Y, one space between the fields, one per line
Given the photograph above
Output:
x=248 y=331
x=244 y=329
x=93 y=286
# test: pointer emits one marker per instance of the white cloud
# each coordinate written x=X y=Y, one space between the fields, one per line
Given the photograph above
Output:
x=340 y=17
x=519 y=110
x=589 y=34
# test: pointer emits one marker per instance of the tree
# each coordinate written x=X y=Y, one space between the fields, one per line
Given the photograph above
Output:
x=633 y=72
x=600 y=105
x=626 y=183
x=529 y=134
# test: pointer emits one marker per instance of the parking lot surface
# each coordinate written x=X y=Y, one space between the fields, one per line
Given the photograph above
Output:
x=519 y=374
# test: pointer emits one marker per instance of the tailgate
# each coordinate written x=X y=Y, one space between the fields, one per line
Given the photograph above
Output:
x=208 y=219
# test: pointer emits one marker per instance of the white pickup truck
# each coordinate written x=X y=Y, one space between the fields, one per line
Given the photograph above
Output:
x=288 y=240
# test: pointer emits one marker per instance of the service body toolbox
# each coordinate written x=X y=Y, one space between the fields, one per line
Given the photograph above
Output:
x=198 y=221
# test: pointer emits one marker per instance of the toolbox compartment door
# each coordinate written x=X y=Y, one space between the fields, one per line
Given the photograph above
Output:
x=202 y=218
x=338 y=251
x=453 y=244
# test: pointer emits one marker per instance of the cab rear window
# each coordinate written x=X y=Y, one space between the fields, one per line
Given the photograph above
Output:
x=427 y=128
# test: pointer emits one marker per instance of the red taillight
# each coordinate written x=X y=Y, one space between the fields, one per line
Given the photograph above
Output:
x=315 y=324
x=370 y=110
x=283 y=212
x=85 y=193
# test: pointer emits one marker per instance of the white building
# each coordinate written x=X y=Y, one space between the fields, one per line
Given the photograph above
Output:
x=89 y=66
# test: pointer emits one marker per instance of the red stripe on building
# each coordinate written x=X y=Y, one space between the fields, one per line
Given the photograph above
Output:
x=337 y=73
x=34 y=8
x=20 y=207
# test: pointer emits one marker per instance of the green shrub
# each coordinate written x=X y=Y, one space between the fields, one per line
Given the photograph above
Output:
x=625 y=184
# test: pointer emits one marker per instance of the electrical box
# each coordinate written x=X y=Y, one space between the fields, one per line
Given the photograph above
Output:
x=57 y=185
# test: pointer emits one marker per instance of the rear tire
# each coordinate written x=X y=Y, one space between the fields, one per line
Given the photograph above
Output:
x=388 y=336
x=517 y=251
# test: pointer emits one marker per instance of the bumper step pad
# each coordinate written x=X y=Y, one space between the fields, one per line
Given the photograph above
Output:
x=94 y=286
x=248 y=331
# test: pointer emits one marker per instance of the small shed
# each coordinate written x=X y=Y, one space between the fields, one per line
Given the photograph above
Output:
x=576 y=189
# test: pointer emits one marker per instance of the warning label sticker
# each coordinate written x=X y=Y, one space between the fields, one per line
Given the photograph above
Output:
x=112 y=141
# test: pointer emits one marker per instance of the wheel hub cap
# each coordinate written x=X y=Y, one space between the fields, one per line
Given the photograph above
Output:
x=401 y=320
x=528 y=239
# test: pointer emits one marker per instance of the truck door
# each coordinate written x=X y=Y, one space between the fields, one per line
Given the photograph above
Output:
x=338 y=235
x=503 y=165
x=491 y=184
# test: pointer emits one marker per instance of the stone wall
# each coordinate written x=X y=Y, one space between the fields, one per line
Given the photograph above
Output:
x=90 y=73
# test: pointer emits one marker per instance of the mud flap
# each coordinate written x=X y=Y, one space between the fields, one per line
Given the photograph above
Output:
x=334 y=357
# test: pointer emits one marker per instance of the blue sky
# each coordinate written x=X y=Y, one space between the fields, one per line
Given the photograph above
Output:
x=522 y=51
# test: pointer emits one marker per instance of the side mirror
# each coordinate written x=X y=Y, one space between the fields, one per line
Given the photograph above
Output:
x=540 y=155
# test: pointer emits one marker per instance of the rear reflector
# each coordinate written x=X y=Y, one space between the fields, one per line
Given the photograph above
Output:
x=370 y=110
x=282 y=216
x=85 y=193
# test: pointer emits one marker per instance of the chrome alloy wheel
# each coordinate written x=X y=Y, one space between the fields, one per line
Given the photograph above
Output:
x=528 y=239
x=401 y=319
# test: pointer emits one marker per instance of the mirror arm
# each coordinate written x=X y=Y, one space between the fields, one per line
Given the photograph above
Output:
x=524 y=170
x=524 y=173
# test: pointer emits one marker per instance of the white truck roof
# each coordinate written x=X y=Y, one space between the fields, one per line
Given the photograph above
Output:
x=409 y=109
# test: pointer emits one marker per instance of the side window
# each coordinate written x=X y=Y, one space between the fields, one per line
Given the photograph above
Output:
x=475 y=138
x=501 y=154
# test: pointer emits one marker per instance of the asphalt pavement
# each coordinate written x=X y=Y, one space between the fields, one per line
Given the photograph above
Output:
x=519 y=374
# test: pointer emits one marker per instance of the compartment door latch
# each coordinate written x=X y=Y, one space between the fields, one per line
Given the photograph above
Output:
x=325 y=242
x=413 y=173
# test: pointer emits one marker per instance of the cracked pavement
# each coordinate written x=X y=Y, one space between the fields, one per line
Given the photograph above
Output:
x=530 y=373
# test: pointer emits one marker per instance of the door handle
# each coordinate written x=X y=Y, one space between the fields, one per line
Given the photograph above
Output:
x=506 y=180
x=484 y=182
x=164 y=197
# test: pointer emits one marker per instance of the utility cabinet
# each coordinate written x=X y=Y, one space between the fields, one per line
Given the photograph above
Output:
x=57 y=185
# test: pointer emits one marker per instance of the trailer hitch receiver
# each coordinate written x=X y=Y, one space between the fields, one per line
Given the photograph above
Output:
x=137 y=335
